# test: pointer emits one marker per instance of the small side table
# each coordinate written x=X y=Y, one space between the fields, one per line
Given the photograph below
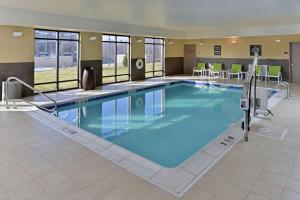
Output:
x=243 y=75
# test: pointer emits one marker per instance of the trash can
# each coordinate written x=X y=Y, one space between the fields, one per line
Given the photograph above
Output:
x=88 y=79
x=14 y=90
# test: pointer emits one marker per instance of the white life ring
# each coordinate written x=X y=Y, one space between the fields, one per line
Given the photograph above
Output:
x=139 y=63
x=139 y=102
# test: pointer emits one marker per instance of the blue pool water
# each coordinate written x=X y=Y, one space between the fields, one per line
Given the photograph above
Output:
x=166 y=124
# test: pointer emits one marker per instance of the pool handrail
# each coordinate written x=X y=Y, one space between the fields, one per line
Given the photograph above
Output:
x=33 y=89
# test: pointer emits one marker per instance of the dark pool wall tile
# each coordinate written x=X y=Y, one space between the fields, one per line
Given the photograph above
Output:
x=284 y=63
x=137 y=74
x=173 y=66
x=22 y=70
x=97 y=65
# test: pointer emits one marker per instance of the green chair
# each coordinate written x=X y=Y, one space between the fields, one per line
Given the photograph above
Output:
x=200 y=69
x=216 y=69
x=236 y=69
x=258 y=71
x=274 y=71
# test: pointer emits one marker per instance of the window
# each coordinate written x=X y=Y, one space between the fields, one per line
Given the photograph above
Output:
x=154 y=49
x=56 y=60
x=115 y=58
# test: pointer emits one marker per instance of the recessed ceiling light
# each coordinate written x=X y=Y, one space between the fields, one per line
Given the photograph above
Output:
x=278 y=40
x=233 y=41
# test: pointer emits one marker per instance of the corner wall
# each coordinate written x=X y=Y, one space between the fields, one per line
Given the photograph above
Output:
x=137 y=51
x=17 y=56
x=91 y=54
x=174 y=57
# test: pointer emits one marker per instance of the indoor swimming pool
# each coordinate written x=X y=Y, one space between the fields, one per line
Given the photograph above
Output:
x=166 y=125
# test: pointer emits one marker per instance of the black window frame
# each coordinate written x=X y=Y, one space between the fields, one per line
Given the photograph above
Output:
x=58 y=40
x=116 y=75
x=154 y=43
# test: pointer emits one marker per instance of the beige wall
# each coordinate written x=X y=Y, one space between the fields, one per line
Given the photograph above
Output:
x=16 y=49
x=91 y=49
x=137 y=47
x=174 y=49
x=270 y=48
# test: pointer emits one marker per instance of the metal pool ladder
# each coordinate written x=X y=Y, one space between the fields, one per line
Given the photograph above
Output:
x=35 y=90
x=286 y=86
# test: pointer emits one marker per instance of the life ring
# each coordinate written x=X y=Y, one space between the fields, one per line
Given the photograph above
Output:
x=139 y=63
x=139 y=102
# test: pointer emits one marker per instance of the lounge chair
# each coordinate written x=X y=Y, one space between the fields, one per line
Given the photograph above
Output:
x=216 y=69
x=236 y=69
x=199 y=69
x=274 y=72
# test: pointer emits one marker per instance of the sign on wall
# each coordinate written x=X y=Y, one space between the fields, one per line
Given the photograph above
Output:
x=255 y=49
x=217 y=50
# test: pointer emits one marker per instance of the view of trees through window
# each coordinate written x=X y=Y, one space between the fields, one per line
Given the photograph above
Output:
x=115 y=58
x=56 y=60
x=154 y=49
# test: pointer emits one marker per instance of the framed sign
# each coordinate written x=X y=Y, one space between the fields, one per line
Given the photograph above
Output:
x=217 y=50
x=255 y=49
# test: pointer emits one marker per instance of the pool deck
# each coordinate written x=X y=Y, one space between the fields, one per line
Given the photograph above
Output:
x=38 y=162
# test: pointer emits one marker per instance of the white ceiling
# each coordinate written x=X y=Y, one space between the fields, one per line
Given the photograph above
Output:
x=169 y=18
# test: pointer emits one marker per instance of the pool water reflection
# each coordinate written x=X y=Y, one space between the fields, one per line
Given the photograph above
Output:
x=166 y=125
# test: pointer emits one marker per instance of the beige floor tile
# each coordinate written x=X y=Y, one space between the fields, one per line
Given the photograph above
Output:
x=290 y=195
x=215 y=197
x=252 y=196
x=295 y=173
x=137 y=188
x=278 y=168
x=3 y=195
x=156 y=193
x=100 y=188
x=197 y=194
x=274 y=178
x=293 y=184
x=9 y=171
x=51 y=180
x=42 y=170
x=267 y=190
x=62 y=190
x=231 y=192
x=80 y=195
x=118 y=194
x=74 y=169
x=25 y=191
x=39 y=196
x=15 y=180
x=209 y=183
x=94 y=160
x=32 y=163
x=242 y=180
x=88 y=177
x=221 y=171
x=175 y=180
x=248 y=169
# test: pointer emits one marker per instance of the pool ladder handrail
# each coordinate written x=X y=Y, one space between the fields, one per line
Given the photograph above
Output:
x=33 y=89
x=286 y=86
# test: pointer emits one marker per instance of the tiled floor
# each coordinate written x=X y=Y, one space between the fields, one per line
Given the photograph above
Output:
x=37 y=163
